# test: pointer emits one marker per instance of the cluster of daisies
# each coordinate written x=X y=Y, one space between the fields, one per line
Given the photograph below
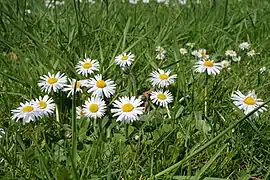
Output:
x=166 y=2
x=100 y=90
x=126 y=109
x=247 y=102
x=53 y=4
x=205 y=64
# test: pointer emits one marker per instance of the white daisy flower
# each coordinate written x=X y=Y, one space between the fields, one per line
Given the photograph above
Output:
x=27 y=112
x=45 y=104
x=71 y=86
x=248 y=102
x=100 y=87
x=252 y=53
x=161 y=1
x=92 y=1
x=236 y=59
x=183 y=51
x=189 y=44
x=202 y=54
x=161 y=98
x=225 y=64
x=94 y=107
x=160 y=56
x=133 y=1
x=124 y=59
x=2 y=132
x=208 y=66
x=145 y=1
x=87 y=66
x=244 y=45
x=59 y=3
x=195 y=53
x=127 y=109
x=183 y=2
x=52 y=82
x=79 y=112
x=160 y=49
x=230 y=53
x=28 y=11
x=262 y=70
x=161 y=52
x=161 y=78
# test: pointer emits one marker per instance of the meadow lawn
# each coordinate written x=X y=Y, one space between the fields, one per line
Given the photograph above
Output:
x=202 y=133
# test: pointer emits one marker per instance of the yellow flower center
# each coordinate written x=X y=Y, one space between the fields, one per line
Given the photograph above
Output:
x=249 y=100
x=78 y=84
x=208 y=63
x=27 y=108
x=124 y=58
x=127 y=107
x=161 y=96
x=252 y=52
x=163 y=76
x=93 y=108
x=87 y=65
x=52 y=80
x=101 y=84
x=42 y=104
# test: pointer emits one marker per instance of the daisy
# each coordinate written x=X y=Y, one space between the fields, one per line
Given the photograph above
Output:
x=161 y=98
x=133 y=1
x=100 y=87
x=160 y=49
x=28 y=11
x=27 y=112
x=127 y=109
x=145 y=1
x=247 y=102
x=208 y=66
x=230 y=53
x=244 y=45
x=124 y=59
x=79 y=112
x=183 y=2
x=52 y=82
x=262 y=70
x=236 y=59
x=161 y=78
x=87 y=67
x=225 y=64
x=92 y=1
x=161 y=1
x=190 y=44
x=45 y=104
x=183 y=51
x=160 y=56
x=71 y=86
x=252 y=53
x=195 y=53
x=202 y=54
x=94 y=107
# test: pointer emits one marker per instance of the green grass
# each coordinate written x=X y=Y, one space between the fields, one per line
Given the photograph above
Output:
x=225 y=144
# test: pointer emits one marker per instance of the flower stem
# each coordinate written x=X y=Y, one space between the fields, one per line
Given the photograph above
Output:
x=168 y=112
x=126 y=130
x=205 y=95
x=74 y=130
